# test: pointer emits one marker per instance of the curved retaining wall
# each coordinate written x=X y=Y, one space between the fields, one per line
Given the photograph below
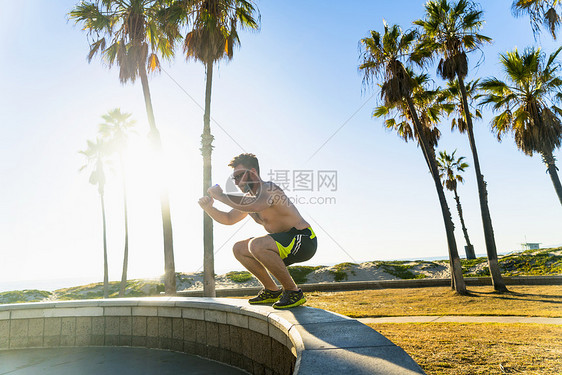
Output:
x=260 y=340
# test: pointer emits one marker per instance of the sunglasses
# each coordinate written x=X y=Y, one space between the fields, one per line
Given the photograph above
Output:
x=238 y=177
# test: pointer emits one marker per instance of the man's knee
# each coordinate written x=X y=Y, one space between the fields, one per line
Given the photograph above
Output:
x=258 y=246
x=240 y=248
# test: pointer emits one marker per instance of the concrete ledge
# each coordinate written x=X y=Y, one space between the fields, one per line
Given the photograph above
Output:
x=258 y=339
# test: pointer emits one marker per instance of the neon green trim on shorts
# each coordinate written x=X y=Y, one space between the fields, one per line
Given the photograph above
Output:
x=285 y=251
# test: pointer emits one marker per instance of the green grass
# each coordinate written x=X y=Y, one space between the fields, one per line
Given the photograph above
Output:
x=463 y=348
x=522 y=300
x=479 y=348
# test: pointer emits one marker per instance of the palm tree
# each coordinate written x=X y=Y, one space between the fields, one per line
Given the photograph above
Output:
x=525 y=102
x=382 y=58
x=429 y=107
x=96 y=154
x=541 y=12
x=213 y=35
x=452 y=94
x=450 y=30
x=130 y=33
x=114 y=130
x=448 y=166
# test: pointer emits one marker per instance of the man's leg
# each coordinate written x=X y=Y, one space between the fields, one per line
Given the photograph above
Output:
x=265 y=251
x=242 y=253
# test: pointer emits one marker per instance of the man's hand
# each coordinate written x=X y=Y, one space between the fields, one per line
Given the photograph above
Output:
x=215 y=191
x=206 y=202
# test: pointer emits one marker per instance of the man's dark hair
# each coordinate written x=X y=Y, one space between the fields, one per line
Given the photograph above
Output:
x=247 y=160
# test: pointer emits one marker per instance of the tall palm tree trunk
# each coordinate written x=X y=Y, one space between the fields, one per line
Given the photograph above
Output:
x=126 y=250
x=105 y=265
x=549 y=160
x=493 y=264
x=206 y=151
x=469 y=249
x=457 y=281
x=154 y=135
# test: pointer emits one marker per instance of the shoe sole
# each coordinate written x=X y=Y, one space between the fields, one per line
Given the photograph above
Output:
x=265 y=301
x=298 y=303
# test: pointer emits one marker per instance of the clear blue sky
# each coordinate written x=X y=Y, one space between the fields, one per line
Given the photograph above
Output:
x=289 y=89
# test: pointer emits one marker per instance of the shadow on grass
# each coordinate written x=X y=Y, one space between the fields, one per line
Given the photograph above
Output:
x=545 y=298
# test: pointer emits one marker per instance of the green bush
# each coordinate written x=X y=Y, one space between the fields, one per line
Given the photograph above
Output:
x=22 y=296
x=538 y=264
x=77 y=296
x=239 y=276
x=183 y=278
x=299 y=273
x=467 y=264
x=473 y=262
x=133 y=288
x=341 y=271
x=400 y=270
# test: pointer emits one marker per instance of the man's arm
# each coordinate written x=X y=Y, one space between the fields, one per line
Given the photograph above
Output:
x=226 y=218
x=242 y=203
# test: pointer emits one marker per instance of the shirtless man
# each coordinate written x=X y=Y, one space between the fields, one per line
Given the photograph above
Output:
x=290 y=239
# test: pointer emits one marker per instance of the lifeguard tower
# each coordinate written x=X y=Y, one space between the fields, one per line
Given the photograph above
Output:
x=531 y=246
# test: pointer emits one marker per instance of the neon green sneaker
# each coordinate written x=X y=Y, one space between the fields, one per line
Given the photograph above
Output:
x=290 y=299
x=266 y=296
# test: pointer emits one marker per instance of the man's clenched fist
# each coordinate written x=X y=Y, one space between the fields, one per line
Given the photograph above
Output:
x=206 y=202
x=214 y=191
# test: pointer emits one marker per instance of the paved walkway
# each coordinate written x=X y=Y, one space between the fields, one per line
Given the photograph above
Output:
x=461 y=319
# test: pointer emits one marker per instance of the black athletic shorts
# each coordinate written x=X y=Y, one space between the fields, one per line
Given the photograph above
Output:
x=296 y=246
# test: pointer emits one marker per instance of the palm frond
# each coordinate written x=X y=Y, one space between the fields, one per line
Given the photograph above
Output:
x=533 y=83
x=450 y=30
x=214 y=32
x=449 y=167
x=540 y=12
x=125 y=30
